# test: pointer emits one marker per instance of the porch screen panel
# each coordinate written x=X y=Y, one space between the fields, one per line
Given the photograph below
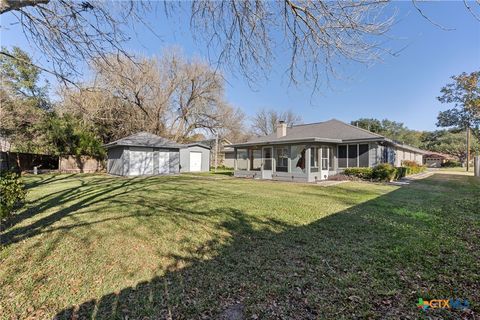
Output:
x=314 y=159
x=325 y=151
x=242 y=159
x=352 y=155
x=281 y=157
x=298 y=162
x=342 y=156
x=256 y=159
x=363 y=155
x=332 y=159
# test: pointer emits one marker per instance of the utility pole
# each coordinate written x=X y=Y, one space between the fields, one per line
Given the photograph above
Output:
x=468 y=148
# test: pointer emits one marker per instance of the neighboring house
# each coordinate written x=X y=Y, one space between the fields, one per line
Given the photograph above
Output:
x=229 y=153
x=311 y=152
x=436 y=159
x=148 y=154
x=226 y=154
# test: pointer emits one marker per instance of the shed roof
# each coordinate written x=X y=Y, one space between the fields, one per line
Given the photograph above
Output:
x=195 y=144
x=144 y=139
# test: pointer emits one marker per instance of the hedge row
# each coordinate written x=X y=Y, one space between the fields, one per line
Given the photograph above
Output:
x=385 y=171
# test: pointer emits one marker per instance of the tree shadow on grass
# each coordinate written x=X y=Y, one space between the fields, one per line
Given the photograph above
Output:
x=369 y=261
x=74 y=199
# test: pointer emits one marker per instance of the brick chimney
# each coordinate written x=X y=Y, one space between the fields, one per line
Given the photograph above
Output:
x=281 y=129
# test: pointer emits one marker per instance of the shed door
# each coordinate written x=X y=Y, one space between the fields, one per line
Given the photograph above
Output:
x=163 y=162
x=141 y=161
x=195 y=161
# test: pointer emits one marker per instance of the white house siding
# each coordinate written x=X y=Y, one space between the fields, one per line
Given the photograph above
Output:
x=402 y=155
x=419 y=158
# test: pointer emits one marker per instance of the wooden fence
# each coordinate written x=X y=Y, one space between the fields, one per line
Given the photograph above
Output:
x=18 y=161
x=80 y=164
x=25 y=162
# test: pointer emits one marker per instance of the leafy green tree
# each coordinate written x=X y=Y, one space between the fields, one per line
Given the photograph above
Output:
x=451 y=142
x=391 y=129
x=69 y=136
x=464 y=94
x=23 y=102
x=370 y=124
x=21 y=77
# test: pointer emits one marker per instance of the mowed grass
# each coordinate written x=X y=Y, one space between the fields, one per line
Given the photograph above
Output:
x=193 y=246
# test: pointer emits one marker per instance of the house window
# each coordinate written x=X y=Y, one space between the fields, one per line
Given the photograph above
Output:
x=352 y=155
x=242 y=159
x=314 y=159
x=256 y=159
x=342 y=156
x=281 y=156
x=363 y=155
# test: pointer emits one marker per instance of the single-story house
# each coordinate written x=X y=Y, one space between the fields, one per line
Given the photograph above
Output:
x=225 y=153
x=315 y=151
x=148 y=154
x=436 y=159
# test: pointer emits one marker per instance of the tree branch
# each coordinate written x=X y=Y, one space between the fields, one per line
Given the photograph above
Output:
x=9 y=5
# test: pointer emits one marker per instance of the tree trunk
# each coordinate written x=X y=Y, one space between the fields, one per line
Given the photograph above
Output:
x=468 y=148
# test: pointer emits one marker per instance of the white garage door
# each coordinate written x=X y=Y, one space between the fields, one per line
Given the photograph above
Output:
x=141 y=161
x=195 y=161
x=163 y=162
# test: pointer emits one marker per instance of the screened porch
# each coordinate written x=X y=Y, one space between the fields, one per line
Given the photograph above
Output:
x=299 y=162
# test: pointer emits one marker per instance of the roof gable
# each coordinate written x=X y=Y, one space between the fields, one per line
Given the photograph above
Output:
x=329 y=130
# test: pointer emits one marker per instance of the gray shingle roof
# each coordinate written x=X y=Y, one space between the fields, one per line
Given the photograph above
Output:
x=144 y=139
x=328 y=131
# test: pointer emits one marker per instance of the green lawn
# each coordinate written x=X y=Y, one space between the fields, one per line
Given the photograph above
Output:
x=191 y=246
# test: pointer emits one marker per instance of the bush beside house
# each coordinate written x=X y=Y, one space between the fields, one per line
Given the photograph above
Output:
x=362 y=173
x=385 y=171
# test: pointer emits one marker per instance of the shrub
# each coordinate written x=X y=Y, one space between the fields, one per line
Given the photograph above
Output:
x=409 y=163
x=412 y=167
x=451 y=164
x=384 y=172
x=12 y=193
x=400 y=172
x=362 y=173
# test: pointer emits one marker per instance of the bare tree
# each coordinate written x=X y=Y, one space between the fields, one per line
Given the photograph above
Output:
x=265 y=121
x=70 y=31
x=170 y=96
x=244 y=35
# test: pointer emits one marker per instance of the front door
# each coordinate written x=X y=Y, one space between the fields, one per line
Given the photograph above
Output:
x=195 y=161
x=267 y=162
